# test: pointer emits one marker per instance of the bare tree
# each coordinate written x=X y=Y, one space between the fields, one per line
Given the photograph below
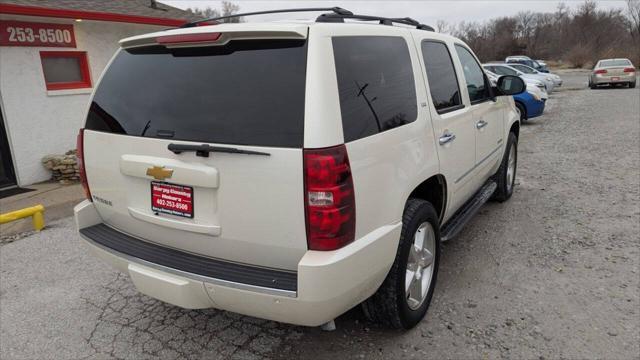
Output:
x=442 y=27
x=228 y=8
x=579 y=36
x=633 y=14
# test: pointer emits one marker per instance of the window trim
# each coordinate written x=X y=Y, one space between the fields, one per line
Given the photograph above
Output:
x=455 y=72
x=84 y=70
x=487 y=83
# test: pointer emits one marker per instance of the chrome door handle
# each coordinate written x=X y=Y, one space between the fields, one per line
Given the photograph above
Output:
x=480 y=124
x=446 y=138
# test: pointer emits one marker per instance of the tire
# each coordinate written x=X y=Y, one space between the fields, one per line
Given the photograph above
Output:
x=505 y=182
x=632 y=85
x=522 y=110
x=592 y=86
x=390 y=305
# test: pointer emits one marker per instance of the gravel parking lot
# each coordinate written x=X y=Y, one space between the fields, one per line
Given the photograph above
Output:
x=553 y=273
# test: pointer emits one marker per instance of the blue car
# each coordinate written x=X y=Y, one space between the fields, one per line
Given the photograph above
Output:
x=528 y=105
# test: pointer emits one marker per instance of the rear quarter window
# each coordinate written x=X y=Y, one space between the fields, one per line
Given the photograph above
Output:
x=248 y=92
x=376 y=84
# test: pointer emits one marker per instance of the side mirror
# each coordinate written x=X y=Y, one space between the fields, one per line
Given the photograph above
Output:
x=510 y=85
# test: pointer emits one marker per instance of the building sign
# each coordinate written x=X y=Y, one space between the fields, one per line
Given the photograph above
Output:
x=21 y=33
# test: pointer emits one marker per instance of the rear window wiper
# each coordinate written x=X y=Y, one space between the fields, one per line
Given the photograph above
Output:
x=204 y=150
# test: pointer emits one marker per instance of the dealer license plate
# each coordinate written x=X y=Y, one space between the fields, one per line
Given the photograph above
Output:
x=172 y=199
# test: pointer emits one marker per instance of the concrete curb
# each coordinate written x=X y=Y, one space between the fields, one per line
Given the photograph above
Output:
x=57 y=199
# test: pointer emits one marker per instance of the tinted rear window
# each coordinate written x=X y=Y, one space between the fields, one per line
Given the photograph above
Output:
x=604 y=63
x=245 y=93
x=375 y=81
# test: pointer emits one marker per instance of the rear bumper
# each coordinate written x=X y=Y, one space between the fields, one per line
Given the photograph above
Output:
x=325 y=285
x=613 y=79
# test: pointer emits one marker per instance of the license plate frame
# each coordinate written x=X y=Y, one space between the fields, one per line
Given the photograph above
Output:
x=615 y=78
x=172 y=199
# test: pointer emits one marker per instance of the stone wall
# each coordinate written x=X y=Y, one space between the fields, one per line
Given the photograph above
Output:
x=64 y=168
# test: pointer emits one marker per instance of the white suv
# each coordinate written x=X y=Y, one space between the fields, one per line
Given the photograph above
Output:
x=291 y=171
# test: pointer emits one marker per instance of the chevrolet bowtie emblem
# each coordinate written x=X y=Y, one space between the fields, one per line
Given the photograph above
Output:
x=159 y=172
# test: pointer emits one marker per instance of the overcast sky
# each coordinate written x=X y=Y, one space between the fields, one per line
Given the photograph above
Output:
x=425 y=11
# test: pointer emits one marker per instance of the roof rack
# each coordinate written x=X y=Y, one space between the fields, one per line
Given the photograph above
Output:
x=382 y=20
x=337 y=15
x=335 y=10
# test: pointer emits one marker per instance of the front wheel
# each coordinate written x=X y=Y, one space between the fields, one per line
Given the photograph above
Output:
x=506 y=175
x=404 y=297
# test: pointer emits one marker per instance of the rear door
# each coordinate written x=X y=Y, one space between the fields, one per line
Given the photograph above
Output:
x=452 y=120
x=199 y=148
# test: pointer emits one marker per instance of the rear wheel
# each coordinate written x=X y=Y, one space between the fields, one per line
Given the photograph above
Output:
x=404 y=297
x=632 y=85
x=506 y=175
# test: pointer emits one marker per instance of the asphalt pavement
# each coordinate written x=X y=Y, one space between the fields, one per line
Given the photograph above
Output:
x=552 y=273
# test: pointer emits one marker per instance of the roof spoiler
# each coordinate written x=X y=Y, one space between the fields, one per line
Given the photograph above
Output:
x=206 y=36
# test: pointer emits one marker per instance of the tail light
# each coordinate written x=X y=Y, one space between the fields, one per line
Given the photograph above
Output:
x=629 y=70
x=601 y=71
x=188 y=38
x=81 y=169
x=330 y=205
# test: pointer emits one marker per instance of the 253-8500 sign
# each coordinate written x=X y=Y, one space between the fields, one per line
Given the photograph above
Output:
x=21 y=33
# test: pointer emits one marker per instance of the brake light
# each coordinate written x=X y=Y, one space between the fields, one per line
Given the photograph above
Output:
x=81 y=169
x=330 y=205
x=601 y=71
x=188 y=38
x=629 y=70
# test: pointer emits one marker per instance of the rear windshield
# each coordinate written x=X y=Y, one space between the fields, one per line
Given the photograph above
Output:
x=246 y=93
x=604 y=63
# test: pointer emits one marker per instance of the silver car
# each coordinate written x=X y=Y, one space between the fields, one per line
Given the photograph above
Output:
x=557 y=80
x=613 y=72
x=508 y=69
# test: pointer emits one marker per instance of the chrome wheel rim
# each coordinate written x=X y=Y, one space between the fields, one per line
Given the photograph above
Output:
x=511 y=167
x=420 y=266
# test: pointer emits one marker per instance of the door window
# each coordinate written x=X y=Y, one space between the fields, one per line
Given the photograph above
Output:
x=477 y=85
x=441 y=75
x=525 y=69
x=504 y=70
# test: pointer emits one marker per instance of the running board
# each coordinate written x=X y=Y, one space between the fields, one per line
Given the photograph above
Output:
x=468 y=210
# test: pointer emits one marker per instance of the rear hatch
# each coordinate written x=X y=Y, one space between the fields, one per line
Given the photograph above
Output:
x=198 y=147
